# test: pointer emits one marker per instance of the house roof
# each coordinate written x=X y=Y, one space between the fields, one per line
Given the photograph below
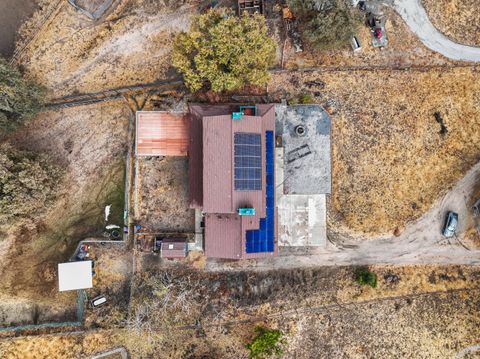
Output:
x=75 y=275
x=211 y=162
x=162 y=134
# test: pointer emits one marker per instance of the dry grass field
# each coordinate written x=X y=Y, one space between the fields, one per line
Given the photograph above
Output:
x=458 y=19
x=390 y=163
x=426 y=312
x=90 y=145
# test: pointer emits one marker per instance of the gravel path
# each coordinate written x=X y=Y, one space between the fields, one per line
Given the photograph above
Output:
x=417 y=20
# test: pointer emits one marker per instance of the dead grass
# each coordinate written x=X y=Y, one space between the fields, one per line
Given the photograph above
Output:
x=163 y=195
x=389 y=161
x=324 y=311
x=404 y=49
x=90 y=145
x=131 y=46
x=458 y=19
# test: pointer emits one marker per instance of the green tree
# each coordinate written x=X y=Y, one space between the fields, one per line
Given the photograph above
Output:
x=366 y=277
x=326 y=24
x=268 y=342
x=28 y=183
x=20 y=99
x=224 y=51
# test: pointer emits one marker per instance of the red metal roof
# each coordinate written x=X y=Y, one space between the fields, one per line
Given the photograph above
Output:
x=173 y=249
x=214 y=190
x=162 y=134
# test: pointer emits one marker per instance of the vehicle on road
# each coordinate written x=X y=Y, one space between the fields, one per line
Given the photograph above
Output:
x=451 y=223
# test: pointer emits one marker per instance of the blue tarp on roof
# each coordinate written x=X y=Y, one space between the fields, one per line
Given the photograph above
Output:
x=262 y=239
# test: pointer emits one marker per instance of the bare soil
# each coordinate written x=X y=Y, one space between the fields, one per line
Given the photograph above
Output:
x=12 y=14
x=130 y=46
x=163 y=195
x=457 y=19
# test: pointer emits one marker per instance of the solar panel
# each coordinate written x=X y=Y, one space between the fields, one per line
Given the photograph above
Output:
x=263 y=239
x=248 y=161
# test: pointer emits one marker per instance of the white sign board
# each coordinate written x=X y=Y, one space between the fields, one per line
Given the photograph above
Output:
x=75 y=275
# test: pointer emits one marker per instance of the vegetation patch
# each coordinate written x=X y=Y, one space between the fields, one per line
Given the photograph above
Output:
x=28 y=184
x=20 y=99
x=224 y=52
x=327 y=24
x=268 y=342
x=366 y=277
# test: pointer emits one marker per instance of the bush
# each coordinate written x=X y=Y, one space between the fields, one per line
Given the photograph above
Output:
x=27 y=183
x=326 y=24
x=224 y=51
x=268 y=342
x=366 y=277
x=20 y=99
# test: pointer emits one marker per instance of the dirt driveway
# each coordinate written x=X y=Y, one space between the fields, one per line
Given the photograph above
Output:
x=420 y=243
x=12 y=14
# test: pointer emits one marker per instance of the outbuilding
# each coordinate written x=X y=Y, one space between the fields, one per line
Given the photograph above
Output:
x=75 y=275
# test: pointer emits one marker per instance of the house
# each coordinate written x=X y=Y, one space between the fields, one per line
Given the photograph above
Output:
x=231 y=174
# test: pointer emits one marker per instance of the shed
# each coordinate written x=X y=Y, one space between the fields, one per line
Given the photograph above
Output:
x=173 y=248
x=75 y=275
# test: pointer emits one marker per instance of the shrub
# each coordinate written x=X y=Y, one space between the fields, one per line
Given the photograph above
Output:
x=326 y=24
x=224 y=51
x=20 y=99
x=268 y=342
x=27 y=183
x=366 y=277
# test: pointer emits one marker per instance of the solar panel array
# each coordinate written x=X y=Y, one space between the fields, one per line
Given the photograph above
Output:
x=263 y=239
x=248 y=161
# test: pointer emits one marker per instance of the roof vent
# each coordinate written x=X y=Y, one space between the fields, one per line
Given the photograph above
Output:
x=300 y=130
x=246 y=211
x=237 y=116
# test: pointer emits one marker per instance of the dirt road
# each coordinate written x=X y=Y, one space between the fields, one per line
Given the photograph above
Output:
x=413 y=13
x=12 y=14
x=420 y=243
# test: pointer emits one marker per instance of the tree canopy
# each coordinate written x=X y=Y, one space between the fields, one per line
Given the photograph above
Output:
x=28 y=183
x=326 y=24
x=224 y=52
x=20 y=99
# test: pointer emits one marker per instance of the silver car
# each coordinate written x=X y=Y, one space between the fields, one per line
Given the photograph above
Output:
x=451 y=224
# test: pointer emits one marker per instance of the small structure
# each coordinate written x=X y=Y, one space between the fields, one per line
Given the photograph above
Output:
x=75 y=275
x=161 y=134
x=250 y=7
x=173 y=248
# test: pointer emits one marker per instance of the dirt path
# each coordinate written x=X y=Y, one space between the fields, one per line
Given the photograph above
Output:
x=12 y=15
x=413 y=13
x=420 y=243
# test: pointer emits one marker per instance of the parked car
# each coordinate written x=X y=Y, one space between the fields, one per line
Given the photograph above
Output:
x=451 y=224
x=98 y=301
